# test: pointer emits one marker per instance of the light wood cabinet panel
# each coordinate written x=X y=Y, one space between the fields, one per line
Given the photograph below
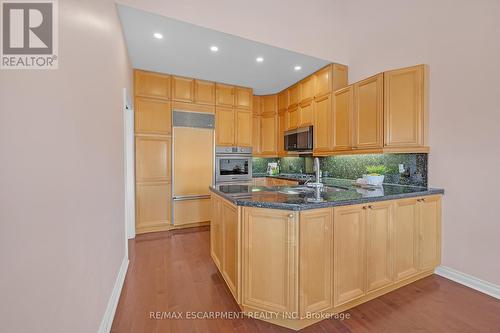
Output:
x=306 y=87
x=182 y=89
x=368 y=112
x=323 y=81
x=293 y=95
x=342 y=119
x=216 y=231
x=268 y=127
x=269 y=104
x=257 y=105
x=191 y=211
x=405 y=107
x=270 y=247
x=230 y=247
x=224 y=95
x=292 y=120
x=429 y=232
x=204 y=92
x=306 y=115
x=152 y=206
x=379 y=249
x=149 y=84
x=339 y=76
x=405 y=239
x=224 y=126
x=281 y=134
x=152 y=159
x=243 y=127
x=243 y=98
x=316 y=260
x=256 y=150
x=323 y=123
x=152 y=116
x=282 y=101
x=349 y=253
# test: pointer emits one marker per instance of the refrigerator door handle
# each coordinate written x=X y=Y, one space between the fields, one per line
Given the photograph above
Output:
x=191 y=197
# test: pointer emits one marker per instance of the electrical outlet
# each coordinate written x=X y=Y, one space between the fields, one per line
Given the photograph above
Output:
x=401 y=168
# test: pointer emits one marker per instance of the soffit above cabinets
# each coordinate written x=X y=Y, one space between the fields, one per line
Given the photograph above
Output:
x=184 y=50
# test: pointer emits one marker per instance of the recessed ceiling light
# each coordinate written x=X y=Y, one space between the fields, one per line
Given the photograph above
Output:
x=157 y=35
x=297 y=68
x=259 y=59
x=214 y=48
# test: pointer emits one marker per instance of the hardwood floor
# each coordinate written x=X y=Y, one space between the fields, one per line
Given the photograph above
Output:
x=173 y=272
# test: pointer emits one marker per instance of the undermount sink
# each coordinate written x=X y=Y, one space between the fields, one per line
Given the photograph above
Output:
x=304 y=189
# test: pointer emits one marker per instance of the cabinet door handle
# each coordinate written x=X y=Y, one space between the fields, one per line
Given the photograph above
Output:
x=364 y=207
x=371 y=207
x=290 y=216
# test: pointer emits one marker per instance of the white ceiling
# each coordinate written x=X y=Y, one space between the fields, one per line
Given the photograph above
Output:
x=185 y=50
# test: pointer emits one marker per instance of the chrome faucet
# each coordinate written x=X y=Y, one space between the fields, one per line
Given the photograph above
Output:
x=317 y=183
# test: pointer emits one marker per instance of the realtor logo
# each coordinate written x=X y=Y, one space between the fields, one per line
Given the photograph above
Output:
x=29 y=34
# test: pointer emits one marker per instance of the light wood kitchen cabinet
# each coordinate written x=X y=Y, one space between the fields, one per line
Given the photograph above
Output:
x=379 y=245
x=292 y=118
x=269 y=104
x=368 y=113
x=152 y=206
x=257 y=105
x=243 y=98
x=322 y=124
x=216 y=231
x=153 y=85
x=306 y=115
x=349 y=253
x=405 y=238
x=152 y=159
x=243 y=133
x=316 y=260
x=269 y=259
x=306 y=87
x=405 y=109
x=182 y=89
x=256 y=150
x=268 y=134
x=281 y=134
x=204 y=92
x=152 y=116
x=323 y=81
x=224 y=126
x=230 y=247
x=293 y=95
x=342 y=118
x=282 y=101
x=429 y=232
x=224 y=95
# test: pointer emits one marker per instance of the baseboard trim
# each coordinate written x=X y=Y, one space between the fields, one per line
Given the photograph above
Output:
x=107 y=319
x=485 y=287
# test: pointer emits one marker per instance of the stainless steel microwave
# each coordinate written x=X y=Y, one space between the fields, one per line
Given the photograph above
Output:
x=300 y=139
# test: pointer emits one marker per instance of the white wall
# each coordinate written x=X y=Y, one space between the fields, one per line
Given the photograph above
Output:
x=62 y=178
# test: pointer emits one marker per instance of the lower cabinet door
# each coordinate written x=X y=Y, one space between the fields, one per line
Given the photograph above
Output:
x=405 y=238
x=316 y=260
x=349 y=253
x=216 y=231
x=152 y=207
x=230 y=246
x=429 y=232
x=379 y=249
x=269 y=259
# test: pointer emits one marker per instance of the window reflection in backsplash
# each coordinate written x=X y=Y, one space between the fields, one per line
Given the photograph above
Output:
x=354 y=166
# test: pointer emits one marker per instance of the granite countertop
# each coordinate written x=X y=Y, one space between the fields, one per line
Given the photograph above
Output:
x=337 y=192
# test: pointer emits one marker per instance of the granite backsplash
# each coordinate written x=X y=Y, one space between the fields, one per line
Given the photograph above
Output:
x=354 y=166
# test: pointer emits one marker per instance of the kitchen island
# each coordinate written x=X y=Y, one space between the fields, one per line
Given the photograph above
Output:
x=295 y=257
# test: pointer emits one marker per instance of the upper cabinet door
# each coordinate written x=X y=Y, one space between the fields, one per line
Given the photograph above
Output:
x=182 y=89
x=257 y=105
x=243 y=98
x=293 y=95
x=243 y=127
x=306 y=116
x=224 y=95
x=405 y=107
x=368 y=112
x=269 y=104
x=429 y=226
x=323 y=81
x=292 y=118
x=282 y=101
x=152 y=116
x=148 y=84
x=255 y=134
x=224 y=126
x=204 y=92
x=323 y=123
x=342 y=118
x=307 y=88
x=281 y=133
x=268 y=127
x=152 y=159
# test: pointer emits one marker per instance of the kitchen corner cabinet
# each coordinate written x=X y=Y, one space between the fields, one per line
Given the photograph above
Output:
x=268 y=132
x=405 y=107
x=182 y=89
x=224 y=95
x=368 y=113
x=269 y=260
x=342 y=118
x=153 y=85
x=322 y=107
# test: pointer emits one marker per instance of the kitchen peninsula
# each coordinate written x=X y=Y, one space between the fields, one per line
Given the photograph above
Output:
x=299 y=258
